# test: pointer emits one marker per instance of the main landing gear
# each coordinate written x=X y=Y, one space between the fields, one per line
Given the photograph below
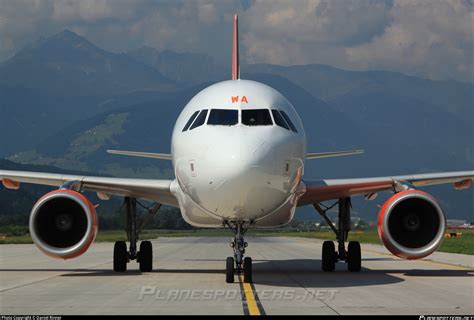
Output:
x=238 y=264
x=352 y=256
x=144 y=255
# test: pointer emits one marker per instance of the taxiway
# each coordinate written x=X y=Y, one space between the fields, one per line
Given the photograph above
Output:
x=188 y=278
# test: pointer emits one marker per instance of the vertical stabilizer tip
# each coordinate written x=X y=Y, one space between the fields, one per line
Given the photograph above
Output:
x=235 y=50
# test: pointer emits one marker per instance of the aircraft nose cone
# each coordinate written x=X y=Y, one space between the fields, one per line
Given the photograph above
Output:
x=240 y=180
x=254 y=152
x=244 y=174
x=237 y=153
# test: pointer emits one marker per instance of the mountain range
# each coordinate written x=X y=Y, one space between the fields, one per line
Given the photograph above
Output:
x=64 y=101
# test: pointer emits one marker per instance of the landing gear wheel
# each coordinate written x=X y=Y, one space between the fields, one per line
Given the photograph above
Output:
x=328 y=256
x=229 y=270
x=120 y=256
x=146 y=256
x=248 y=270
x=353 y=256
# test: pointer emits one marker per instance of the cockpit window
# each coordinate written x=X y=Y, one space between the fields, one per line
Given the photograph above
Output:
x=288 y=120
x=190 y=121
x=279 y=121
x=223 y=117
x=256 y=117
x=199 y=120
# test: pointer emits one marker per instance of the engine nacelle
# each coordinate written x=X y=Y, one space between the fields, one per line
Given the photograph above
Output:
x=63 y=224
x=411 y=224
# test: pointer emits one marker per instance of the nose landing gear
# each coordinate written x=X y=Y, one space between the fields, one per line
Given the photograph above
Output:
x=238 y=264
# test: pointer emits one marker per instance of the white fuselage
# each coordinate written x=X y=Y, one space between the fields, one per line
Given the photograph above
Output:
x=238 y=172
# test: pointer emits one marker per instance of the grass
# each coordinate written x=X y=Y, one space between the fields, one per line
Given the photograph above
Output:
x=464 y=245
x=24 y=239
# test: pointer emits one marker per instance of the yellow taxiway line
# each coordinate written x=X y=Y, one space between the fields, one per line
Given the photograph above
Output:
x=250 y=298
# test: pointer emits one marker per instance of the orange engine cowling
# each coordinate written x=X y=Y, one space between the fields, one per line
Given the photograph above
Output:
x=63 y=224
x=411 y=224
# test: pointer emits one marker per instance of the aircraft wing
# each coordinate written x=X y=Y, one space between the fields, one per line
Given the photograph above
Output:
x=162 y=156
x=322 y=190
x=155 y=190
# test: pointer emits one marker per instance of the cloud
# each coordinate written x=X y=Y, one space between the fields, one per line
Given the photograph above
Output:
x=431 y=39
x=427 y=38
x=311 y=31
x=435 y=41
x=333 y=22
x=118 y=25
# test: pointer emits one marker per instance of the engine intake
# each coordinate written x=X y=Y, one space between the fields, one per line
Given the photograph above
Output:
x=63 y=224
x=411 y=224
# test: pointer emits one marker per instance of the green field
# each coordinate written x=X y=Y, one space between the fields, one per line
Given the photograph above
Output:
x=464 y=245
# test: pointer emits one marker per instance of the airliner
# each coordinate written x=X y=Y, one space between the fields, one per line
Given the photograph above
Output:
x=238 y=151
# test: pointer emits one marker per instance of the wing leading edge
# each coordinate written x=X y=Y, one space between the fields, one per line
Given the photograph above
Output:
x=162 y=156
x=321 y=155
x=322 y=190
x=155 y=190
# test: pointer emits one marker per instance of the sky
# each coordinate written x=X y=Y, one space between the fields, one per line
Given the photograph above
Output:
x=427 y=38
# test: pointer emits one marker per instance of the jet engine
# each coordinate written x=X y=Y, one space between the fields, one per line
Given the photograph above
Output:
x=411 y=224
x=63 y=224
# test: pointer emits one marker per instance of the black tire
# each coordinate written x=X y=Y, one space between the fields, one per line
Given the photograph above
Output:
x=229 y=270
x=248 y=270
x=120 y=256
x=328 y=262
x=146 y=256
x=354 y=256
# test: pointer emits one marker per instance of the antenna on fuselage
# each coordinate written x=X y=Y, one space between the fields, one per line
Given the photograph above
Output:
x=235 y=50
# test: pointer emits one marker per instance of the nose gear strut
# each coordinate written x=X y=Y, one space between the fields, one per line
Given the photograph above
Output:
x=238 y=264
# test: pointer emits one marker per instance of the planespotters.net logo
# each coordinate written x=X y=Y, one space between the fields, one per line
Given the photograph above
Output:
x=151 y=292
x=446 y=317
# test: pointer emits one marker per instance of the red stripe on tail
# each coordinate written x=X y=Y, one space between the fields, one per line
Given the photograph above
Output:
x=235 y=51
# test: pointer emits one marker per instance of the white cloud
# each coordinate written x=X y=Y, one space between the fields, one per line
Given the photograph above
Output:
x=422 y=37
x=335 y=22
x=431 y=38
x=434 y=40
